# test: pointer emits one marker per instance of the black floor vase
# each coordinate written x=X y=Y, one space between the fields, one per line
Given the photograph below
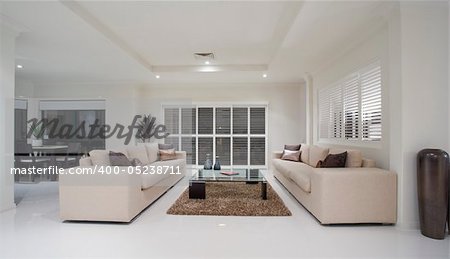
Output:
x=433 y=193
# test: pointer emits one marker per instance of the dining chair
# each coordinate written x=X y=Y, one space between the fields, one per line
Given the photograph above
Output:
x=26 y=158
x=72 y=156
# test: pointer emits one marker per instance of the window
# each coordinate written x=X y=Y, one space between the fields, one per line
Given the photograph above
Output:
x=236 y=134
x=351 y=108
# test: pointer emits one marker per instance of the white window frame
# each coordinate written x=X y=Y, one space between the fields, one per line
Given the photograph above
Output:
x=215 y=105
x=342 y=140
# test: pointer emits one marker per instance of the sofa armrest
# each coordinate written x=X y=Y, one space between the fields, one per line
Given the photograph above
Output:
x=180 y=154
x=368 y=162
x=277 y=154
x=99 y=195
x=355 y=195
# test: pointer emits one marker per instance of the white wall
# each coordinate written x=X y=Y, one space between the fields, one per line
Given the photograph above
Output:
x=7 y=74
x=286 y=104
x=373 y=48
x=24 y=87
x=120 y=100
x=425 y=114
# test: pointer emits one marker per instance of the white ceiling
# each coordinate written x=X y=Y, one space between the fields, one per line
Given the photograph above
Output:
x=130 y=41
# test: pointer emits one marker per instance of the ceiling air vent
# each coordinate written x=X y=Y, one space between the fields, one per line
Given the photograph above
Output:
x=204 y=56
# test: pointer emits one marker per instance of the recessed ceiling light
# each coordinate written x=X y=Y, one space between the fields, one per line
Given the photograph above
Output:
x=157 y=76
x=19 y=66
x=264 y=75
x=222 y=225
x=207 y=62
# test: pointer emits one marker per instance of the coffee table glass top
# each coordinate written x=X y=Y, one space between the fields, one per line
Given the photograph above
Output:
x=243 y=175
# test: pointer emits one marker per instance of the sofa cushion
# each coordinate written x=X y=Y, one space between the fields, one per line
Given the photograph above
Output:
x=354 y=157
x=299 y=173
x=305 y=153
x=150 y=178
x=316 y=154
x=100 y=157
x=152 y=151
x=138 y=152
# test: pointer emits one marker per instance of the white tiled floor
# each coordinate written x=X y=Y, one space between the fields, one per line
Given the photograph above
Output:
x=33 y=230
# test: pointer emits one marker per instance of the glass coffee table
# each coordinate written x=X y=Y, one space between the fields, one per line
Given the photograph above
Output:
x=197 y=183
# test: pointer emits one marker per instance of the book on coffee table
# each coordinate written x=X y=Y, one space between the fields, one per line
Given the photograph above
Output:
x=229 y=173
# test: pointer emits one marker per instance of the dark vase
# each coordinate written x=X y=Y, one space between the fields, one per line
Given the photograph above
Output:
x=433 y=193
x=217 y=164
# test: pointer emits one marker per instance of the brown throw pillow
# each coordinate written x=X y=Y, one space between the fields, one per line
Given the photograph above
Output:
x=292 y=147
x=333 y=160
x=291 y=155
x=118 y=159
x=167 y=154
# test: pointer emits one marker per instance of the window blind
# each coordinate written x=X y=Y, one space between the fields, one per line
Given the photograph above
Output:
x=188 y=120
x=223 y=120
x=351 y=109
x=240 y=120
x=371 y=103
x=236 y=134
x=257 y=120
x=171 y=120
x=240 y=150
x=205 y=120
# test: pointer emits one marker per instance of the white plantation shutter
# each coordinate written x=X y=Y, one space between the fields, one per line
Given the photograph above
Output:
x=257 y=120
x=371 y=103
x=205 y=120
x=257 y=151
x=171 y=120
x=351 y=110
x=240 y=150
x=188 y=144
x=351 y=107
x=223 y=150
x=205 y=146
x=240 y=120
x=324 y=113
x=188 y=123
x=237 y=135
x=336 y=112
x=223 y=120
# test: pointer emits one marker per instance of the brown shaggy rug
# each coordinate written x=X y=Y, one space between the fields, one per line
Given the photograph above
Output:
x=231 y=199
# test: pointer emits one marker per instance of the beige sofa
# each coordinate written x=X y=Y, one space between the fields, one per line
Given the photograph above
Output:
x=358 y=193
x=116 y=194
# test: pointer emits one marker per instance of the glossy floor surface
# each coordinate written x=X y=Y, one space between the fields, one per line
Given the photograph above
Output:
x=33 y=230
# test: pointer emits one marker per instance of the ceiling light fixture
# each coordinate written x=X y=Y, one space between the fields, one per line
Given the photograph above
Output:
x=19 y=66
x=264 y=75
x=157 y=76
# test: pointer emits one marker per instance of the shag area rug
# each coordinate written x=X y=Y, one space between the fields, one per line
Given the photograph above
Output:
x=231 y=199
